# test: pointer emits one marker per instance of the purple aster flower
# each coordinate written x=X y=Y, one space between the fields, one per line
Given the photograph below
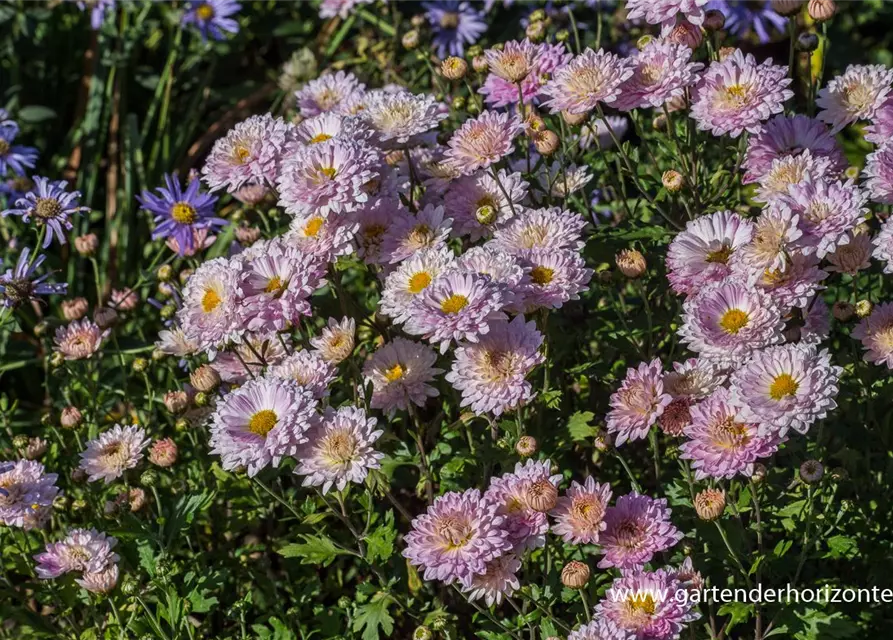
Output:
x=255 y=352
x=97 y=9
x=336 y=341
x=329 y=92
x=340 y=8
x=249 y=154
x=645 y=604
x=483 y=141
x=50 y=205
x=786 y=387
x=503 y=269
x=883 y=246
x=454 y=25
x=661 y=72
x=795 y=285
x=857 y=94
x=456 y=538
x=412 y=277
x=15 y=187
x=601 y=629
x=179 y=214
x=113 y=452
x=695 y=379
x=549 y=229
x=325 y=237
x=701 y=254
x=721 y=443
x=580 y=515
x=83 y=550
x=879 y=174
x=13 y=157
x=491 y=373
x=477 y=203
x=535 y=62
x=28 y=494
x=826 y=211
x=787 y=171
x=79 y=340
x=744 y=17
x=638 y=403
x=398 y=119
x=499 y=580
x=211 y=300
x=591 y=78
x=328 y=125
x=19 y=285
x=554 y=277
x=737 y=94
x=340 y=449
x=774 y=233
x=213 y=17
x=665 y=11
x=410 y=234
x=400 y=372
x=876 y=334
x=526 y=527
x=636 y=528
x=261 y=422
x=308 y=369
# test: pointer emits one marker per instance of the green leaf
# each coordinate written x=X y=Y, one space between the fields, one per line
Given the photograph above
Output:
x=35 y=113
x=737 y=611
x=842 y=547
x=578 y=426
x=380 y=543
x=374 y=616
x=314 y=550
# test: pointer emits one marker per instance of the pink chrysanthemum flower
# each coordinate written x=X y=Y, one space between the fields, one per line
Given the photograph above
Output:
x=498 y=581
x=26 y=494
x=876 y=334
x=512 y=62
x=544 y=61
x=855 y=95
x=636 y=528
x=323 y=236
x=526 y=527
x=411 y=278
x=636 y=603
x=883 y=246
x=80 y=339
x=260 y=423
x=774 y=233
x=638 y=403
x=482 y=141
x=695 y=378
x=554 y=277
x=336 y=341
x=796 y=284
x=788 y=171
x=737 y=94
x=881 y=128
x=665 y=11
x=113 y=452
x=209 y=315
x=330 y=92
x=561 y=181
x=728 y=320
x=478 y=205
x=591 y=78
x=503 y=269
x=374 y=221
x=249 y=358
x=326 y=126
x=826 y=211
x=340 y=449
x=492 y=373
x=400 y=372
x=456 y=538
x=84 y=550
x=100 y=582
x=879 y=174
x=601 y=629
x=551 y=229
x=175 y=342
x=410 y=234
x=786 y=387
x=785 y=135
x=308 y=369
x=580 y=515
x=701 y=254
x=249 y=154
x=455 y=307
x=399 y=118
x=720 y=442
x=662 y=72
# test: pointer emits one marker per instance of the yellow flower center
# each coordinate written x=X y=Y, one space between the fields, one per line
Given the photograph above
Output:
x=210 y=301
x=456 y=534
x=720 y=256
x=542 y=275
x=262 y=422
x=641 y=603
x=454 y=304
x=394 y=373
x=241 y=154
x=329 y=172
x=339 y=448
x=276 y=286
x=313 y=226
x=418 y=282
x=47 y=208
x=734 y=320
x=783 y=385
x=735 y=96
x=320 y=137
x=184 y=213
x=449 y=20
x=205 y=12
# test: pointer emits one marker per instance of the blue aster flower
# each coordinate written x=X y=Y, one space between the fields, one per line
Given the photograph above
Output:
x=212 y=17
x=15 y=187
x=454 y=24
x=744 y=16
x=12 y=156
x=181 y=214
x=20 y=285
x=48 y=204
x=97 y=11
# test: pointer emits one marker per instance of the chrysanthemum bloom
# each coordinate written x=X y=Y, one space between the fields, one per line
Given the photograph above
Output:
x=209 y=314
x=664 y=11
x=662 y=72
x=491 y=373
x=411 y=278
x=796 y=285
x=79 y=340
x=498 y=581
x=123 y=299
x=174 y=342
x=634 y=603
x=50 y=206
x=737 y=95
x=399 y=118
x=695 y=378
x=560 y=182
x=552 y=228
x=14 y=157
x=327 y=93
x=477 y=203
x=526 y=527
x=179 y=214
x=340 y=8
x=308 y=369
x=788 y=171
x=855 y=95
x=336 y=341
x=503 y=269
x=553 y=278
x=774 y=233
x=483 y=141
x=340 y=449
x=826 y=211
x=84 y=550
x=213 y=18
x=409 y=234
x=113 y=452
x=457 y=307
x=591 y=78
x=690 y=577
x=20 y=284
x=325 y=237
x=728 y=320
x=785 y=135
x=786 y=387
x=720 y=442
x=454 y=24
x=879 y=174
x=374 y=220
x=100 y=582
x=883 y=247
x=330 y=125
x=580 y=514
x=163 y=453
x=261 y=422
x=601 y=629
x=881 y=128
x=636 y=528
x=456 y=538
x=676 y=416
x=248 y=358
x=249 y=153
x=400 y=372
x=500 y=91
x=701 y=254
x=26 y=494
x=638 y=403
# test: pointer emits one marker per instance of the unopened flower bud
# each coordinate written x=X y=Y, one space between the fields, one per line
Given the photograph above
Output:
x=57 y=360
x=480 y=64
x=458 y=103
x=660 y=122
x=410 y=39
x=563 y=35
x=542 y=496
x=140 y=365
x=573 y=119
x=759 y=473
x=176 y=401
x=250 y=194
x=71 y=417
x=686 y=34
x=149 y=478
x=787 y=7
x=546 y=142
x=20 y=441
x=536 y=31
x=165 y=273
x=821 y=10
x=672 y=181
x=631 y=263
x=526 y=446
x=725 y=52
x=417 y=20
x=205 y=378
x=247 y=235
x=168 y=311
x=644 y=41
x=182 y=424
x=422 y=633
x=538 y=15
x=41 y=328
x=811 y=471
x=201 y=399
x=575 y=574
x=714 y=20
x=35 y=448
x=710 y=504
x=843 y=310
x=807 y=42
x=475 y=50
x=129 y=586
x=839 y=474
x=163 y=453
x=105 y=317
x=454 y=68
x=74 y=309
x=86 y=244
x=136 y=499
x=863 y=308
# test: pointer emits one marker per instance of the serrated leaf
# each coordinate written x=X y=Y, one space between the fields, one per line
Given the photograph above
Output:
x=374 y=616
x=578 y=426
x=313 y=550
x=380 y=543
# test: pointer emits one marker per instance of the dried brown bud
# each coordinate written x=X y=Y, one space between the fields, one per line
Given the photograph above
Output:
x=631 y=263
x=71 y=417
x=546 y=142
x=526 y=446
x=710 y=504
x=821 y=10
x=843 y=311
x=672 y=181
x=542 y=496
x=34 y=448
x=573 y=119
x=811 y=471
x=86 y=245
x=454 y=68
x=176 y=401
x=74 y=309
x=759 y=473
x=787 y=7
x=714 y=20
x=575 y=574
x=205 y=378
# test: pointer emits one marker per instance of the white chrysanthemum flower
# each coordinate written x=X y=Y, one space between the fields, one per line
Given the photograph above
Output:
x=113 y=452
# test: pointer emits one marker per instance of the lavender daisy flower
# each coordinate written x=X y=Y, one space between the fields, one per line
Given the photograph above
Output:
x=855 y=95
x=498 y=581
x=701 y=254
x=97 y=10
x=876 y=334
x=662 y=72
x=525 y=526
x=601 y=629
x=456 y=538
x=336 y=341
x=728 y=320
x=113 y=452
x=412 y=277
x=50 y=205
x=399 y=118
x=209 y=314
x=826 y=211
x=374 y=220
x=454 y=25
x=554 y=277
x=491 y=373
x=535 y=62
x=786 y=387
x=665 y=11
x=879 y=174
x=328 y=125
x=503 y=269
x=19 y=285
x=249 y=358
x=28 y=494
x=549 y=229
x=213 y=17
x=483 y=141
x=83 y=550
x=788 y=171
x=721 y=442
x=638 y=403
x=744 y=17
x=13 y=157
x=477 y=203
x=248 y=154
x=785 y=135
x=308 y=369
x=80 y=339
x=774 y=233
x=261 y=422
x=591 y=78
x=634 y=604
x=410 y=234
x=400 y=372
x=695 y=378
x=325 y=237
x=175 y=342
x=179 y=214
x=340 y=450
x=329 y=92
x=795 y=285
x=737 y=95
x=580 y=514
x=636 y=528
